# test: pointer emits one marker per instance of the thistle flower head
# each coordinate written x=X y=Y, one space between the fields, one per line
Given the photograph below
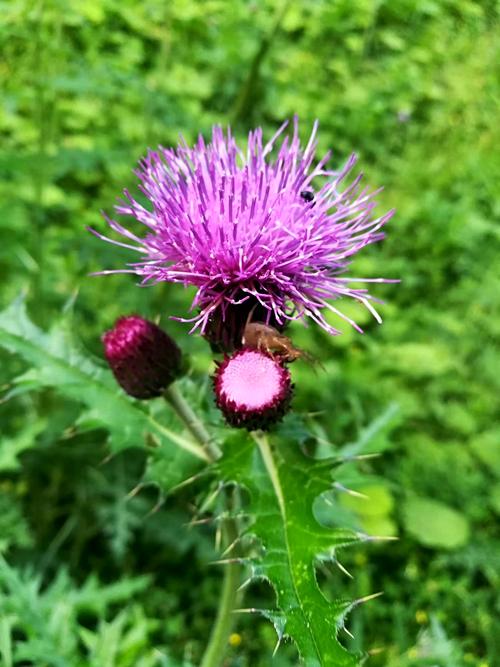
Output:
x=268 y=225
x=143 y=358
x=252 y=389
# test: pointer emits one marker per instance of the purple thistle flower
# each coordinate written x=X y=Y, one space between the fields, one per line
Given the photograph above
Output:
x=269 y=227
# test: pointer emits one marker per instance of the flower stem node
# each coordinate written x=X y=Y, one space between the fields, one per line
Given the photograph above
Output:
x=143 y=358
x=253 y=389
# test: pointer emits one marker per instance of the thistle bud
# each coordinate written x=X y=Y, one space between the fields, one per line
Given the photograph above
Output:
x=252 y=389
x=143 y=358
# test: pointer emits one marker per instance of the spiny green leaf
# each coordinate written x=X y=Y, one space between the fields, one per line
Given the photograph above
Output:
x=43 y=622
x=13 y=447
x=59 y=361
x=14 y=529
x=283 y=485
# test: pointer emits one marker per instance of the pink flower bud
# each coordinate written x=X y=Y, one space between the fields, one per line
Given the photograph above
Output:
x=252 y=389
x=143 y=358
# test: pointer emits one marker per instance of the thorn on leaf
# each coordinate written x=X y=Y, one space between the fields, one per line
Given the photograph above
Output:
x=131 y=494
x=350 y=492
x=377 y=538
x=366 y=598
x=231 y=546
x=228 y=561
x=343 y=569
x=246 y=583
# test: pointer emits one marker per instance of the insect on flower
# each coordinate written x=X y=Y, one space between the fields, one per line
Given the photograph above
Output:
x=307 y=195
x=266 y=338
x=267 y=225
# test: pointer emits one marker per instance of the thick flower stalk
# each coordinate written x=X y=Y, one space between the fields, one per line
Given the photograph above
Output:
x=266 y=227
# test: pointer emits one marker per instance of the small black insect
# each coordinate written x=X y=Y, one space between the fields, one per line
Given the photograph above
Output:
x=307 y=195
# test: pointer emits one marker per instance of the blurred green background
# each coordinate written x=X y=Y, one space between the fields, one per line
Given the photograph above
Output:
x=413 y=87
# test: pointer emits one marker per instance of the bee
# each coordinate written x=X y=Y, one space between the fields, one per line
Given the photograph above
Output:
x=266 y=338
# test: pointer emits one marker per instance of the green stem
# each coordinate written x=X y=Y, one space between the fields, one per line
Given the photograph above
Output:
x=267 y=456
x=221 y=630
x=184 y=411
x=40 y=166
x=245 y=101
x=214 y=653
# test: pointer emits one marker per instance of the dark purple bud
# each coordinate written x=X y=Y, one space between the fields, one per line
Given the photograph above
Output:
x=143 y=358
x=252 y=389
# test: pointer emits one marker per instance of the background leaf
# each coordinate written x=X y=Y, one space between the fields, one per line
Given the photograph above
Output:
x=434 y=524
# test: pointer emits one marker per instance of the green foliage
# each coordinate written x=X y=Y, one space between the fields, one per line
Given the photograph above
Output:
x=434 y=524
x=432 y=647
x=288 y=562
x=14 y=529
x=374 y=507
x=291 y=541
x=12 y=448
x=413 y=88
x=51 y=625
x=58 y=361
